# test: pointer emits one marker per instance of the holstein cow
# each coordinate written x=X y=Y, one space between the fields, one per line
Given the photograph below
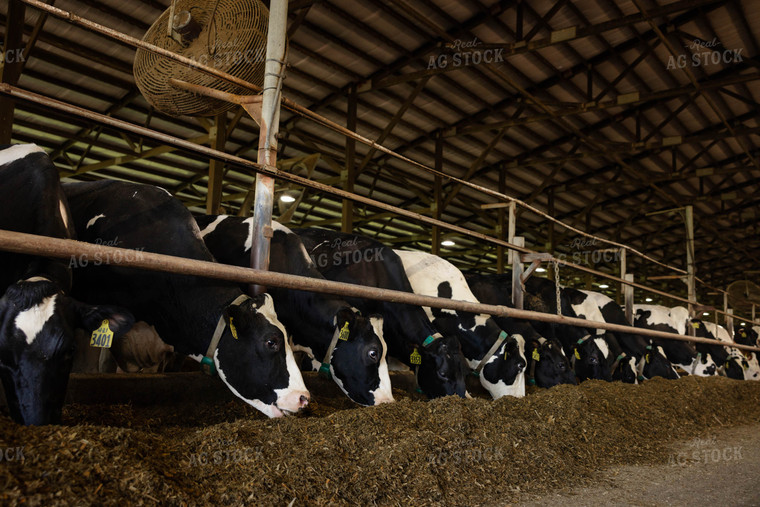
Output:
x=650 y=360
x=210 y=320
x=608 y=361
x=410 y=335
x=588 y=352
x=681 y=353
x=737 y=364
x=495 y=356
x=318 y=323
x=37 y=316
x=547 y=364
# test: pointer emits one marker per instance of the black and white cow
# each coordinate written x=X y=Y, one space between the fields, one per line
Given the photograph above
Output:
x=37 y=316
x=737 y=364
x=588 y=351
x=547 y=364
x=357 y=363
x=650 y=360
x=503 y=371
x=410 y=335
x=252 y=356
x=681 y=353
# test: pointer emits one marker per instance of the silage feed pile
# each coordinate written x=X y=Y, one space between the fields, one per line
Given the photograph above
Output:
x=448 y=451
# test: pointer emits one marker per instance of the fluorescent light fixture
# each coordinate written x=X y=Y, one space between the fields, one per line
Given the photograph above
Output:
x=648 y=300
x=287 y=198
x=447 y=242
x=604 y=286
x=743 y=324
x=705 y=313
x=540 y=270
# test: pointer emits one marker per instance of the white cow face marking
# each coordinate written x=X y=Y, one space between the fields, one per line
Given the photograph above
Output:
x=32 y=320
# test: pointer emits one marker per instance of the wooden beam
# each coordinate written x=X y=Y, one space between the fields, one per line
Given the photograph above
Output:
x=218 y=135
x=350 y=171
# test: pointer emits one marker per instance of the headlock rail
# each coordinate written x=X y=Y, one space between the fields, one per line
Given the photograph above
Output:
x=79 y=253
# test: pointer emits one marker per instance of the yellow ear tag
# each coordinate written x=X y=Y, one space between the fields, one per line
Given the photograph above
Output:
x=233 y=329
x=647 y=358
x=536 y=356
x=577 y=355
x=695 y=324
x=415 y=358
x=344 y=332
x=102 y=337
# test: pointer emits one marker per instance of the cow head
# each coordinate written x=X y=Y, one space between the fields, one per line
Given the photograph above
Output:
x=358 y=363
x=656 y=364
x=734 y=367
x=37 y=345
x=255 y=360
x=441 y=370
x=547 y=363
x=592 y=358
x=624 y=370
x=504 y=371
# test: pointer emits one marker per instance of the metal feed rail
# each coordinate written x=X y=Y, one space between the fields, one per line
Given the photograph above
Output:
x=305 y=112
x=79 y=251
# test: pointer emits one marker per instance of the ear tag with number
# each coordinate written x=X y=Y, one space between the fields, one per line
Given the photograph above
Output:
x=344 y=332
x=536 y=356
x=102 y=337
x=647 y=358
x=695 y=324
x=233 y=329
x=577 y=355
x=415 y=358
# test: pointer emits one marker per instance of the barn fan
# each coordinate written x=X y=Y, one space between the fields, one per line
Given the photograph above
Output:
x=229 y=35
x=742 y=294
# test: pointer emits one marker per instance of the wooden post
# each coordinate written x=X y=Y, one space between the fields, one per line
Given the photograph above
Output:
x=511 y=230
x=753 y=313
x=435 y=238
x=349 y=173
x=620 y=292
x=218 y=135
x=550 y=232
x=690 y=268
x=517 y=271
x=501 y=224
x=628 y=296
x=270 y=124
x=730 y=322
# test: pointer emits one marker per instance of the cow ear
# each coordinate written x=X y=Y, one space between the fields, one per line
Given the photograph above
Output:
x=237 y=316
x=344 y=315
x=90 y=317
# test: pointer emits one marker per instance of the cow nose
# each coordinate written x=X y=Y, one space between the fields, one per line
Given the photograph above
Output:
x=711 y=369
x=303 y=401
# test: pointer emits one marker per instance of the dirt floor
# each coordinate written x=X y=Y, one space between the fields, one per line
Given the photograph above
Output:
x=444 y=452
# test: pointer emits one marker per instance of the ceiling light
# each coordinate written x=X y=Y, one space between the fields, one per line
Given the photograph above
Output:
x=743 y=324
x=447 y=242
x=540 y=270
x=705 y=314
x=648 y=300
x=287 y=198
x=604 y=286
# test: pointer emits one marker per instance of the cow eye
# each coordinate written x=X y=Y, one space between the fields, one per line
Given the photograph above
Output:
x=273 y=343
x=373 y=355
x=592 y=360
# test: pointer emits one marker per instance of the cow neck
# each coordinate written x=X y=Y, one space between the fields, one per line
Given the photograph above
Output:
x=207 y=362
x=615 y=364
x=575 y=349
x=496 y=344
x=426 y=343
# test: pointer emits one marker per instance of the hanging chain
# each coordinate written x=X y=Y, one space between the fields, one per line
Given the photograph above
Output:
x=556 y=286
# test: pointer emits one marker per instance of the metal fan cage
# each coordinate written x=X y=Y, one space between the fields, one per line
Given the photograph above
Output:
x=233 y=39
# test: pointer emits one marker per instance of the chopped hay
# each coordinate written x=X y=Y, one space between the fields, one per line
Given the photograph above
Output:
x=446 y=451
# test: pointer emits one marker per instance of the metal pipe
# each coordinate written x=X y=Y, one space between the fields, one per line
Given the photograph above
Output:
x=270 y=124
x=70 y=249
